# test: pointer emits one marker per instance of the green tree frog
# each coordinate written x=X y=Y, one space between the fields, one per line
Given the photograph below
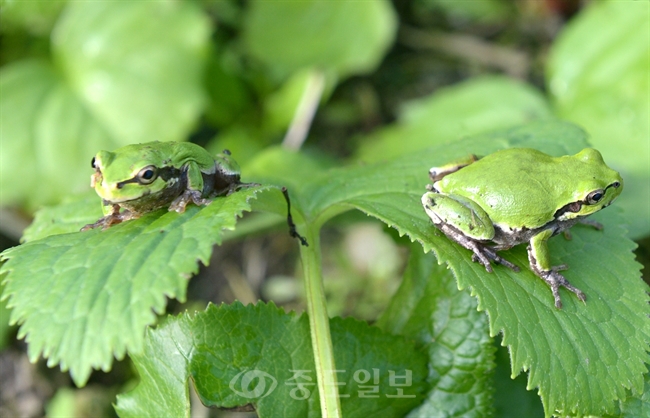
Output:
x=140 y=178
x=520 y=195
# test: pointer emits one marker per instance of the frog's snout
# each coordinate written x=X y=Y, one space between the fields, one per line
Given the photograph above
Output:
x=95 y=178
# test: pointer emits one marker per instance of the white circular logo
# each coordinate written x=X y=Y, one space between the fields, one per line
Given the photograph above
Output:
x=252 y=384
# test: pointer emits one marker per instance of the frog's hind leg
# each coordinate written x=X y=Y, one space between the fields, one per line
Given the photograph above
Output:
x=482 y=253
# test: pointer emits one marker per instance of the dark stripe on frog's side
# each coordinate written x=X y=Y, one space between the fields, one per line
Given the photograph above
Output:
x=151 y=201
x=511 y=237
x=166 y=173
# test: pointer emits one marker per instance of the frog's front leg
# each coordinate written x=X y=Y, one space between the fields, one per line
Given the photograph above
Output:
x=193 y=189
x=540 y=263
x=594 y=224
x=180 y=203
x=113 y=217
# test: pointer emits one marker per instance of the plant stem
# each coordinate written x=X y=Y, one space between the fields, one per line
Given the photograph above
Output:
x=302 y=118
x=321 y=340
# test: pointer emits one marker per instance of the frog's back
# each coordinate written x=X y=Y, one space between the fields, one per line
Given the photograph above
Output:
x=517 y=187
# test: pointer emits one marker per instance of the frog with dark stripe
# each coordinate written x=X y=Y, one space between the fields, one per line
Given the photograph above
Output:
x=140 y=178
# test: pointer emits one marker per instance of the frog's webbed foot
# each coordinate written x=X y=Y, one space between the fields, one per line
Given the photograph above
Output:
x=113 y=218
x=180 y=203
x=555 y=280
x=483 y=254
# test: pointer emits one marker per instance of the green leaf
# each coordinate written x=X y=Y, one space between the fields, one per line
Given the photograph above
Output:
x=36 y=17
x=271 y=347
x=48 y=136
x=485 y=12
x=344 y=37
x=597 y=74
x=478 y=105
x=136 y=65
x=580 y=358
x=124 y=71
x=84 y=297
x=636 y=406
x=511 y=399
x=163 y=369
x=429 y=308
x=69 y=216
x=602 y=343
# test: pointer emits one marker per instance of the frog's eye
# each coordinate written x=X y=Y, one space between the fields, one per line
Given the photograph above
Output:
x=147 y=175
x=92 y=163
x=595 y=197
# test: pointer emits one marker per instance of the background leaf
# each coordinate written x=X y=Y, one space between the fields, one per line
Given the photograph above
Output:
x=272 y=344
x=475 y=106
x=597 y=74
x=344 y=37
x=444 y=321
x=131 y=63
x=123 y=71
x=69 y=216
x=46 y=132
x=79 y=302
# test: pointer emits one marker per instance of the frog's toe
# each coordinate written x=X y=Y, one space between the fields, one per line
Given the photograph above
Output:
x=478 y=257
x=555 y=280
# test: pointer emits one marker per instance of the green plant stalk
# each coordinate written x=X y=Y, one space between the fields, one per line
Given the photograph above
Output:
x=321 y=340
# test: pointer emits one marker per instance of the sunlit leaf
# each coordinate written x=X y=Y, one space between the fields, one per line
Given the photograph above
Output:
x=597 y=74
x=272 y=347
x=82 y=298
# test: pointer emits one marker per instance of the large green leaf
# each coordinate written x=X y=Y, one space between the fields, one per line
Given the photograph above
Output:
x=455 y=112
x=136 y=65
x=124 y=72
x=48 y=137
x=635 y=406
x=429 y=308
x=35 y=17
x=82 y=298
x=601 y=344
x=271 y=347
x=597 y=74
x=341 y=36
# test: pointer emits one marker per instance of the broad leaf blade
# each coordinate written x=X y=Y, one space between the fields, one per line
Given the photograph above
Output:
x=344 y=37
x=83 y=297
x=597 y=75
x=475 y=106
x=580 y=358
x=553 y=344
x=69 y=216
x=163 y=390
x=119 y=76
x=136 y=65
x=637 y=406
x=48 y=136
x=429 y=308
x=239 y=355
